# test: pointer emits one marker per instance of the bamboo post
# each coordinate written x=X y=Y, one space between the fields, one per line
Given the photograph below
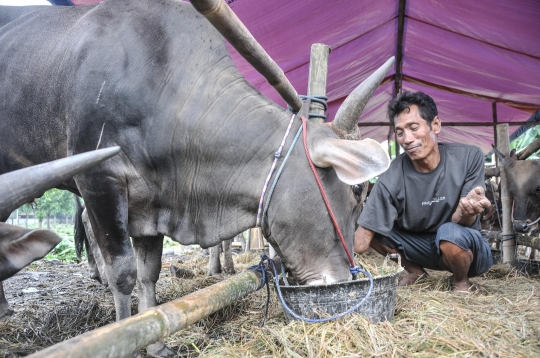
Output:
x=318 y=74
x=129 y=335
x=508 y=246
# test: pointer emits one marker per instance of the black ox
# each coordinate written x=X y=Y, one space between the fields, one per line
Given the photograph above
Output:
x=197 y=141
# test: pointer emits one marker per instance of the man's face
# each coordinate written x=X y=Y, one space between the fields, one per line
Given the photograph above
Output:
x=415 y=136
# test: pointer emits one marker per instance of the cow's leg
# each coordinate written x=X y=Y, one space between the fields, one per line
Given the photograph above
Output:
x=106 y=204
x=228 y=263
x=95 y=258
x=148 y=252
x=5 y=309
x=214 y=265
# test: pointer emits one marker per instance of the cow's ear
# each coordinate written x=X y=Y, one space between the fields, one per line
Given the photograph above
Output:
x=513 y=154
x=355 y=161
x=20 y=247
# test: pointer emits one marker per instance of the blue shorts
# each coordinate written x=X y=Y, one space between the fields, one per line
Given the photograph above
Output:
x=424 y=248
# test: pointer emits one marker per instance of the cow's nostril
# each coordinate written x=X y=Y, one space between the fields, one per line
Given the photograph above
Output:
x=521 y=226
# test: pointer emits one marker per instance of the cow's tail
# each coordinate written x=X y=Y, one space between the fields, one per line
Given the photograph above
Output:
x=80 y=233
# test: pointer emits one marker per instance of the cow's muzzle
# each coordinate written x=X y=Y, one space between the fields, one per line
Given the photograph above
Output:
x=521 y=226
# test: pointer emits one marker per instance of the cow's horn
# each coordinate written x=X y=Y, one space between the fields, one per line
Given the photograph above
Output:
x=229 y=25
x=22 y=186
x=346 y=120
x=498 y=153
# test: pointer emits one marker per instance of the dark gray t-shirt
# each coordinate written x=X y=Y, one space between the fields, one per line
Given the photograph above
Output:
x=421 y=202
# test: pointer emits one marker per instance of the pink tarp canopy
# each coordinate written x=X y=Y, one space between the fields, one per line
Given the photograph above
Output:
x=466 y=54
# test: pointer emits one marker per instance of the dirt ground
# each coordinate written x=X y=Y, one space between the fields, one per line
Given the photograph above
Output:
x=54 y=302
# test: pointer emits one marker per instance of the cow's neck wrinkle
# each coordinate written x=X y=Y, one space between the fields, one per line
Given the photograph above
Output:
x=218 y=194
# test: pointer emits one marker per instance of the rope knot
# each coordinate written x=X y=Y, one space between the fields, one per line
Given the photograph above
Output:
x=355 y=270
x=318 y=99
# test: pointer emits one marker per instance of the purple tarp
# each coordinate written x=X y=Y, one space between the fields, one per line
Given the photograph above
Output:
x=465 y=54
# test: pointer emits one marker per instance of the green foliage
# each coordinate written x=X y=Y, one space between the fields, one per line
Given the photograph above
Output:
x=169 y=243
x=65 y=252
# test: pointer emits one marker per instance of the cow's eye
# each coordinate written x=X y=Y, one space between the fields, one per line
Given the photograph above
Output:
x=538 y=190
x=357 y=191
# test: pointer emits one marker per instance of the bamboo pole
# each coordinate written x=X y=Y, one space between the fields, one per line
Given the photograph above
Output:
x=129 y=335
x=508 y=246
x=318 y=74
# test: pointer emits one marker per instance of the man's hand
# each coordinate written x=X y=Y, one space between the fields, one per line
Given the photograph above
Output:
x=473 y=204
x=362 y=239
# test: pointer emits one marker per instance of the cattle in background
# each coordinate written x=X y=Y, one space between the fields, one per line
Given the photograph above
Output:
x=523 y=180
x=18 y=246
x=155 y=78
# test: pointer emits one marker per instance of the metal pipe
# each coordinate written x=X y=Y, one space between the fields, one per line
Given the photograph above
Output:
x=129 y=335
x=229 y=25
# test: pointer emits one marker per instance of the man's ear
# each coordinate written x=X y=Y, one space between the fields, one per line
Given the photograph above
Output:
x=436 y=125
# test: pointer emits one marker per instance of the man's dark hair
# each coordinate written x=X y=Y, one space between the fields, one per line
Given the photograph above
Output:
x=404 y=100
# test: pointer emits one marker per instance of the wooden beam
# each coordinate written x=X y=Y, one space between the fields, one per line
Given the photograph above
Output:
x=489 y=172
x=399 y=49
x=494 y=112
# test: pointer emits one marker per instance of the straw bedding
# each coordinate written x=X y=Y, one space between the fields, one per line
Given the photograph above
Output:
x=54 y=302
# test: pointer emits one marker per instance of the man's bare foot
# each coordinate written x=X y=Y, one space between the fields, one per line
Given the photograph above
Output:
x=460 y=286
x=410 y=278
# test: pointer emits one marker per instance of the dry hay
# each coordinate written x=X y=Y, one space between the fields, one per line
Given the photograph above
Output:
x=500 y=319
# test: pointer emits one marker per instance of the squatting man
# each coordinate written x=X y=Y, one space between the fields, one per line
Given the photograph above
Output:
x=425 y=206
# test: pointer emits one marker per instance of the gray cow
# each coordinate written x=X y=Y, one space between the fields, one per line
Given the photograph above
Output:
x=155 y=78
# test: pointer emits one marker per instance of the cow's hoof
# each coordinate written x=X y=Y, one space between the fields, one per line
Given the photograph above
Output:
x=6 y=313
x=215 y=274
x=159 y=350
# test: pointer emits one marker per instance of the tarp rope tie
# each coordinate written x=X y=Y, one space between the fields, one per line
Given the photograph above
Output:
x=261 y=267
x=319 y=99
